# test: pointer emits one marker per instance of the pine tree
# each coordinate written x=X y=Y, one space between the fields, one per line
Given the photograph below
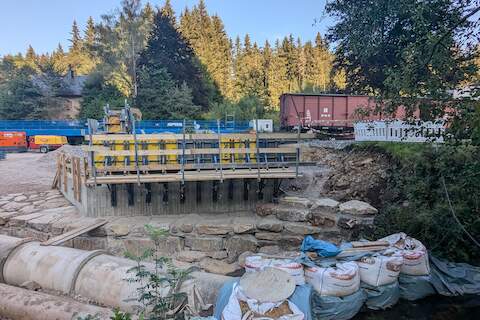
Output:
x=278 y=75
x=31 y=57
x=76 y=39
x=90 y=33
x=59 y=60
x=167 y=49
x=168 y=12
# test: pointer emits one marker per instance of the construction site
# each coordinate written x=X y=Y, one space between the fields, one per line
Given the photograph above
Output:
x=268 y=207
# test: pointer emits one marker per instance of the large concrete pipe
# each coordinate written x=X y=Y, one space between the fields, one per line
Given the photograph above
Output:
x=100 y=277
x=21 y=304
x=54 y=268
x=104 y=279
x=7 y=245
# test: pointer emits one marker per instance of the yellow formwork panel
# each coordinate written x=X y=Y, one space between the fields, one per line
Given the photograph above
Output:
x=141 y=145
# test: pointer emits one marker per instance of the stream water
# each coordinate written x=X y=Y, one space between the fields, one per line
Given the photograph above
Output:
x=431 y=308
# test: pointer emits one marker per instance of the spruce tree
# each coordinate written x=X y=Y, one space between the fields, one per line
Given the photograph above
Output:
x=90 y=33
x=167 y=49
x=76 y=39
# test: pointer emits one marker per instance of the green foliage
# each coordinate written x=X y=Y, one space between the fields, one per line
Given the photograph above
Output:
x=405 y=50
x=159 y=290
x=19 y=97
x=415 y=200
x=96 y=94
x=247 y=108
x=159 y=97
x=168 y=49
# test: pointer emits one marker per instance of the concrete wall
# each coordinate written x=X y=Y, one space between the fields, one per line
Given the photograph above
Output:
x=96 y=201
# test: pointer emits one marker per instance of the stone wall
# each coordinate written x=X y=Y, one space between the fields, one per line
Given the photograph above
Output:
x=212 y=242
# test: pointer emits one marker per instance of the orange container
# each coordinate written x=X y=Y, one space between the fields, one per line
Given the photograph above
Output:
x=13 y=141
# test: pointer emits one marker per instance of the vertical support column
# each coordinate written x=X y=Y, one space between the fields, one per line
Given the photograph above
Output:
x=165 y=193
x=148 y=195
x=214 y=191
x=131 y=196
x=113 y=194
x=261 y=186
x=246 y=189
x=230 y=189
x=199 y=191
x=182 y=192
x=276 y=189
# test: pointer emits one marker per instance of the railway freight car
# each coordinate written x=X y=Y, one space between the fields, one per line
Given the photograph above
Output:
x=332 y=113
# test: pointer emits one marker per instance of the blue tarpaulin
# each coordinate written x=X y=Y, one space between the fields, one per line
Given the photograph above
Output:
x=322 y=248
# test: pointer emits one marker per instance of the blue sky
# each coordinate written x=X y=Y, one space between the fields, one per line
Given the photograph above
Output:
x=45 y=23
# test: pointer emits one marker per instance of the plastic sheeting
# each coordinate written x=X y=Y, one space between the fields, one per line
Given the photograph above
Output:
x=381 y=297
x=322 y=248
x=415 y=287
x=300 y=297
x=338 y=308
x=453 y=279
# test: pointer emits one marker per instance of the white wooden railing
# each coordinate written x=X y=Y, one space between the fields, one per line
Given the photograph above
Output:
x=399 y=131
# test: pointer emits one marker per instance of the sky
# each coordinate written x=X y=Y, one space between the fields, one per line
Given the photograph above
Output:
x=45 y=23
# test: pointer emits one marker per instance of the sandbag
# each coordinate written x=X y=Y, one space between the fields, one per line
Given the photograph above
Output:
x=379 y=270
x=415 y=287
x=234 y=311
x=300 y=297
x=415 y=256
x=258 y=263
x=337 y=308
x=381 y=297
x=340 y=280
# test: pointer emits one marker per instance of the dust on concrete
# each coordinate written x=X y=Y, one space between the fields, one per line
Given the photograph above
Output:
x=25 y=172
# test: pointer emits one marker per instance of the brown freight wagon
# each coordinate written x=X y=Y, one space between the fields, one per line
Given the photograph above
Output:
x=331 y=112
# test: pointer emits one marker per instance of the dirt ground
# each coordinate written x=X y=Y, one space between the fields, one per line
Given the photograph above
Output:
x=26 y=172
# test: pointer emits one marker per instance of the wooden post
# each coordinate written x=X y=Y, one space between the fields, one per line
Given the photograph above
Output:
x=183 y=153
x=65 y=177
x=135 y=145
x=92 y=153
x=219 y=150
x=257 y=145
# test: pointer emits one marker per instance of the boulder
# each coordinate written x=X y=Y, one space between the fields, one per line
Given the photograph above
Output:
x=218 y=266
x=298 y=228
x=213 y=228
x=325 y=204
x=238 y=244
x=265 y=209
x=269 y=224
x=270 y=249
x=118 y=230
x=190 y=256
x=271 y=236
x=219 y=255
x=295 y=202
x=243 y=225
x=292 y=214
x=206 y=244
x=356 y=207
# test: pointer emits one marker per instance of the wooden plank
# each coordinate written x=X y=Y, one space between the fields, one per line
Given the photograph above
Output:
x=198 y=136
x=55 y=241
x=198 y=176
x=362 y=244
x=192 y=166
x=103 y=151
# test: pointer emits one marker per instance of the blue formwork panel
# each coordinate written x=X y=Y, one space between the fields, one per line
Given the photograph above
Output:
x=75 y=128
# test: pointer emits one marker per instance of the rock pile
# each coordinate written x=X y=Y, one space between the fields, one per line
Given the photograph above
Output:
x=346 y=174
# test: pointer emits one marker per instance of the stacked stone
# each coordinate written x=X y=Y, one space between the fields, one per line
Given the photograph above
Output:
x=212 y=242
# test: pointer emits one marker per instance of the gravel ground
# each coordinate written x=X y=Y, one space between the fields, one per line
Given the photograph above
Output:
x=26 y=172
